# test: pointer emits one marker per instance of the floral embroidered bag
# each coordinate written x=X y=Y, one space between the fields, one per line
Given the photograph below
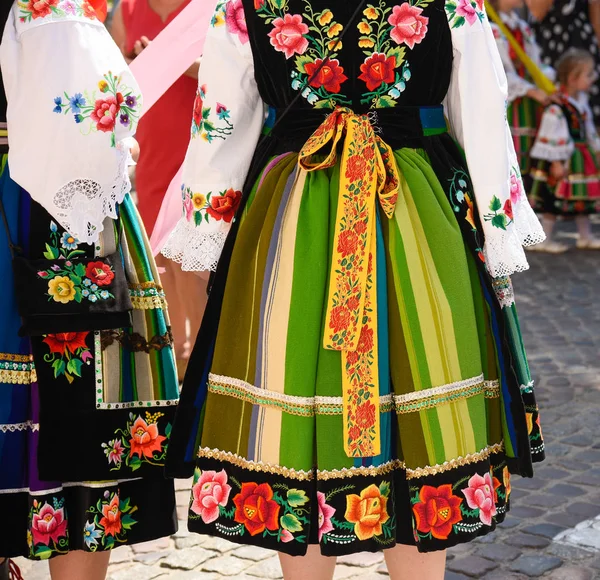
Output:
x=65 y=292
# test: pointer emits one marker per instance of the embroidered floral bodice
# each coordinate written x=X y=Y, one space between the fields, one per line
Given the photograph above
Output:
x=260 y=54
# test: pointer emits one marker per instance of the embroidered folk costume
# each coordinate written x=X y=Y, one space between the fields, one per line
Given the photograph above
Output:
x=359 y=378
x=88 y=389
x=524 y=113
x=567 y=133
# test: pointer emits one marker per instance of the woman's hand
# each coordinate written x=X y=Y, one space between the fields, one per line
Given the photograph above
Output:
x=140 y=45
x=539 y=95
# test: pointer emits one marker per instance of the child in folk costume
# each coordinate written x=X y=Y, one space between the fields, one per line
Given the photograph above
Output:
x=565 y=172
x=344 y=393
x=525 y=98
x=88 y=384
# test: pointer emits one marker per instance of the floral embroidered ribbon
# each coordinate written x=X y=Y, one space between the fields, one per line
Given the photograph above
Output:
x=367 y=173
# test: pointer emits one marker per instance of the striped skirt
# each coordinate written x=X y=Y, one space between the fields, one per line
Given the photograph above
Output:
x=85 y=417
x=578 y=193
x=273 y=439
x=524 y=115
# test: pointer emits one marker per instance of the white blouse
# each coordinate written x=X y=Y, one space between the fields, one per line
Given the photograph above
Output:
x=229 y=114
x=73 y=106
x=553 y=141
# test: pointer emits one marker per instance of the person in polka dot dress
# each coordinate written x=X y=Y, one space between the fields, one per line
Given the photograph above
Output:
x=564 y=24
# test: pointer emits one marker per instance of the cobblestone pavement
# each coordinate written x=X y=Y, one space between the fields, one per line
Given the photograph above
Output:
x=552 y=531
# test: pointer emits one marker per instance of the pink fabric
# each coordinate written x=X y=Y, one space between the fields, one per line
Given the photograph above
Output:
x=160 y=65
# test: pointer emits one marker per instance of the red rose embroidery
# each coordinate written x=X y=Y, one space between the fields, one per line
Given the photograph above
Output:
x=410 y=27
x=331 y=76
x=88 y=10
x=288 y=33
x=224 y=207
x=198 y=104
x=48 y=524
x=256 y=509
x=340 y=318
x=99 y=273
x=365 y=415
x=437 y=511
x=378 y=69
x=66 y=341
x=105 y=113
x=41 y=8
x=508 y=210
x=356 y=168
x=347 y=243
x=145 y=439
x=365 y=342
x=111 y=517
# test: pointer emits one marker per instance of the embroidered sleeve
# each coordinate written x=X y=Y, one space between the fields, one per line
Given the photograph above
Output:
x=71 y=97
x=553 y=141
x=517 y=85
x=476 y=109
x=227 y=119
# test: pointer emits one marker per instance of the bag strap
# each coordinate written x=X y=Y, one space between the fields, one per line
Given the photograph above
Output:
x=325 y=61
x=14 y=249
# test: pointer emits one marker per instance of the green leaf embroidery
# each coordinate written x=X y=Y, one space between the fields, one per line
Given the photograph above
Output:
x=296 y=497
x=499 y=221
x=495 y=204
x=291 y=523
x=301 y=61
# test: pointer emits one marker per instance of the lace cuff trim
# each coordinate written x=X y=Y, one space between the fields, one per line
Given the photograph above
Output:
x=504 y=254
x=82 y=205
x=527 y=225
x=552 y=152
x=195 y=249
x=518 y=90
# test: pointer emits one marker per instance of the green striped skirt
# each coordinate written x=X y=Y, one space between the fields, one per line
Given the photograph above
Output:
x=271 y=467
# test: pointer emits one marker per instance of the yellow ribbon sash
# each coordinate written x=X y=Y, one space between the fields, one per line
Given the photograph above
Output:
x=367 y=173
x=538 y=77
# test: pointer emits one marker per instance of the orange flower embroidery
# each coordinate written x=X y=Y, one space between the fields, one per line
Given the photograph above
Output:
x=368 y=512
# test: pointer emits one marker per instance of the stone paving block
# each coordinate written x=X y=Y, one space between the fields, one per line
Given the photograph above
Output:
x=563 y=519
x=151 y=558
x=547 y=473
x=590 y=477
x=510 y=522
x=342 y=572
x=473 y=566
x=568 y=553
x=545 y=530
x=499 y=552
x=535 y=565
x=585 y=538
x=137 y=572
x=520 y=540
x=454 y=576
x=503 y=575
x=544 y=500
x=362 y=559
x=584 y=509
x=535 y=483
x=579 y=440
x=187 y=559
x=190 y=541
x=218 y=544
x=571 y=573
x=253 y=553
x=154 y=546
x=565 y=490
x=525 y=512
x=267 y=569
x=226 y=565
x=122 y=554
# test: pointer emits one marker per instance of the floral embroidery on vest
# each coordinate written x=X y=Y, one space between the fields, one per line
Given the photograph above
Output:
x=48 y=532
x=68 y=353
x=139 y=442
x=386 y=32
x=309 y=38
x=111 y=520
x=204 y=123
x=34 y=9
x=69 y=279
x=461 y=12
x=118 y=105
